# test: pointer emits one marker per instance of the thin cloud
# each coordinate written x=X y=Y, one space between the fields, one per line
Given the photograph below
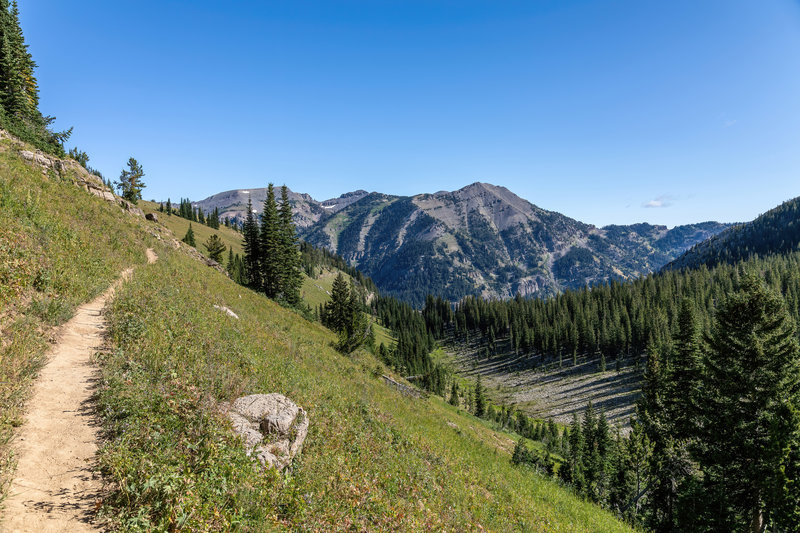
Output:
x=729 y=123
x=661 y=201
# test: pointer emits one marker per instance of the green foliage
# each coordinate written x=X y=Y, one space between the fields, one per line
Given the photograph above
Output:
x=748 y=421
x=53 y=257
x=19 y=90
x=130 y=183
x=189 y=237
x=776 y=231
x=373 y=460
x=215 y=247
x=270 y=246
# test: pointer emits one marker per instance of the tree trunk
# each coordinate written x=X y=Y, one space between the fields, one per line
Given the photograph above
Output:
x=757 y=525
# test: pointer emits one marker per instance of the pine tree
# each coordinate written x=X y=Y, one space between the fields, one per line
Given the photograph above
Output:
x=270 y=246
x=684 y=384
x=230 y=265
x=337 y=309
x=453 y=393
x=252 y=248
x=189 y=237
x=357 y=328
x=480 y=400
x=291 y=275
x=169 y=207
x=749 y=411
x=215 y=247
x=130 y=183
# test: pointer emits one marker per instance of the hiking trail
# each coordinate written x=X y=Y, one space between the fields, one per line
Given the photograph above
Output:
x=55 y=488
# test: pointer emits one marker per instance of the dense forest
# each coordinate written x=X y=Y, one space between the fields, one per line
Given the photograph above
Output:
x=715 y=445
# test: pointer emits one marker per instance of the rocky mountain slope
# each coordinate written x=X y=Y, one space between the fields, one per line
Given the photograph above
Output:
x=482 y=239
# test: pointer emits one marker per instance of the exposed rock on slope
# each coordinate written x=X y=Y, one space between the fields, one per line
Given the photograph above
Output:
x=272 y=427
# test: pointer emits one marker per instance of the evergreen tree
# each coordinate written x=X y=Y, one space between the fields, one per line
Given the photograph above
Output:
x=169 y=207
x=453 y=393
x=271 y=256
x=252 y=248
x=189 y=237
x=291 y=275
x=230 y=265
x=357 y=328
x=480 y=400
x=337 y=308
x=215 y=247
x=684 y=384
x=130 y=183
x=749 y=412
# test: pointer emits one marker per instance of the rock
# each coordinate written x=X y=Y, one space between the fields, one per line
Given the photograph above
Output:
x=36 y=158
x=272 y=427
x=227 y=311
x=152 y=217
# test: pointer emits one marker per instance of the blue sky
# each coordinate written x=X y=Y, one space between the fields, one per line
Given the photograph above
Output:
x=607 y=111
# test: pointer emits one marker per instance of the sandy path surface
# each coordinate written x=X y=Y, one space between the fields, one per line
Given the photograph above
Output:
x=55 y=488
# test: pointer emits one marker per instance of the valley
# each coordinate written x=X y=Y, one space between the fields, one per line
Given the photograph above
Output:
x=459 y=361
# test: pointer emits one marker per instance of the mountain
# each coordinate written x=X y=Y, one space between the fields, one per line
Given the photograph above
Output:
x=484 y=239
x=776 y=231
x=374 y=459
x=307 y=211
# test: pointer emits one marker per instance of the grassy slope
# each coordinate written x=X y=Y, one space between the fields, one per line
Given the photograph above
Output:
x=373 y=460
x=232 y=239
x=59 y=247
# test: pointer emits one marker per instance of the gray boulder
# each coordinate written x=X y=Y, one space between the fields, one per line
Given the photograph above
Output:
x=272 y=427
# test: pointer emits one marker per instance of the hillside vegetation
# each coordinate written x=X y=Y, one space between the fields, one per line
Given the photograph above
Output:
x=59 y=247
x=373 y=460
x=776 y=231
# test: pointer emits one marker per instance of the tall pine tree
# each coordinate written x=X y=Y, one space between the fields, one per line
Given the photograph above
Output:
x=291 y=274
x=749 y=418
x=270 y=246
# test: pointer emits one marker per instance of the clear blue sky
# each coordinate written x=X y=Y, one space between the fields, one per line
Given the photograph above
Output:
x=596 y=109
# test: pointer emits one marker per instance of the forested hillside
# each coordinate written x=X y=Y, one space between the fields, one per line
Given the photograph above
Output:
x=776 y=231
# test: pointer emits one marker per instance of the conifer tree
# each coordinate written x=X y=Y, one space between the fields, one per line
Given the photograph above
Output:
x=480 y=399
x=130 y=183
x=215 y=247
x=453 y=393
x=749 y=412
x=270 y=246
x=337 y=307
x=189 y=237
x=252 y=248
x=291 y=275
x=169 y=207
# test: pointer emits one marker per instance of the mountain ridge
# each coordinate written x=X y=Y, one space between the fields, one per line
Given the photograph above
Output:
x=480 y=239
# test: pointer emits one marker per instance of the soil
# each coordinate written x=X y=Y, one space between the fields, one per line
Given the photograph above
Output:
x=56 y=487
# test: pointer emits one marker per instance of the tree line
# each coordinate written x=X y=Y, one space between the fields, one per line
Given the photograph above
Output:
x=613 y=322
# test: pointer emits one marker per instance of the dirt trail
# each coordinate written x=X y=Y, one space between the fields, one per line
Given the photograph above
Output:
x=55 y=489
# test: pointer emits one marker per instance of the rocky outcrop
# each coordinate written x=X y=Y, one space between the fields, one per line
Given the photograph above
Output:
x=272 y=427
x=73 y=171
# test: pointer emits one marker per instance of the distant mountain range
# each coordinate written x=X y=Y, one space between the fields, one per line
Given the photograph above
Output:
x=482 y=239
